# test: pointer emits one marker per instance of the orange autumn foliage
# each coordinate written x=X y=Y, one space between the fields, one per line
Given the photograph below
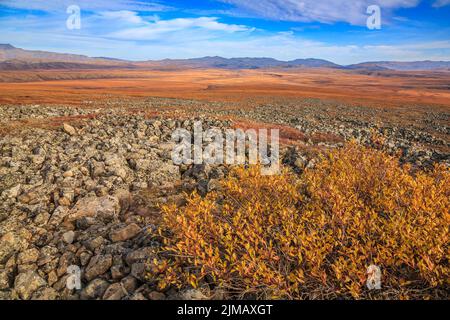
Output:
x=315 y=235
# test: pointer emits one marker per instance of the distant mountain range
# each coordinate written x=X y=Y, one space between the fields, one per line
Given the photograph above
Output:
x=12 y=58
x=402 y=66
x=249 y=63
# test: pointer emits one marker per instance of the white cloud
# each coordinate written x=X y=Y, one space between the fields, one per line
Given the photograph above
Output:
x=190 y=43
x=163 y=28
x=118 y=29
x=90 y=5
x=325 y=11
x=123 y=15
x=441 y=3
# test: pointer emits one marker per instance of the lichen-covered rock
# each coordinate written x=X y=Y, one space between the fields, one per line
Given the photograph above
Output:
x=141 y=255
x=114 y=292
x=125 y=199
x=193 y=294
x=125 y=233
x=11 y=243
x=69 y=129
x=105 y=208
x=46 y=294
x=27 y=283
x=5 y=279
x=98 y=265
x=13 y=192
x=69 y=237
x=28 y=256
x=95 y=289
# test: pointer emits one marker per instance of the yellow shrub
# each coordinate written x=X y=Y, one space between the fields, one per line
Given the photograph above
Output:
x=315 y=235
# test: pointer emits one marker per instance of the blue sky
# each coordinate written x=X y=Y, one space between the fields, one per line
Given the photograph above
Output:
x=335 y=30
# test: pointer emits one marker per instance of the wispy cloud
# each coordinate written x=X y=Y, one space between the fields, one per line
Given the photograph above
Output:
x=441 y=3
x=90 y=5
x=325 y=11
x=161 y=28
x=141 y=30
x=123 y=15
x=188 y=43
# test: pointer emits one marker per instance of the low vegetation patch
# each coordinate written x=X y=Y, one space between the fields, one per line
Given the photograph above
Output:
x=314 y=235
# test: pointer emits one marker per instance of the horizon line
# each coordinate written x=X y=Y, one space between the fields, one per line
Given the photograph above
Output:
x=221 y=57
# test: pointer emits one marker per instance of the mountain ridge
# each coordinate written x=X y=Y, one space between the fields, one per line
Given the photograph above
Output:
x=12 y=58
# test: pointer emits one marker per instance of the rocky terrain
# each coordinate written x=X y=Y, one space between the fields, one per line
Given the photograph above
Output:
x=421 y=138
x=80 y=186
x=67 y=200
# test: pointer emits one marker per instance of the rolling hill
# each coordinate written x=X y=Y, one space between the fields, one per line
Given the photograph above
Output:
x=402 y=66
x=12 y=58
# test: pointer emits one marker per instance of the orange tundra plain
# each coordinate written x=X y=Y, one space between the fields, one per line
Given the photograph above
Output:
x=378 y=89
